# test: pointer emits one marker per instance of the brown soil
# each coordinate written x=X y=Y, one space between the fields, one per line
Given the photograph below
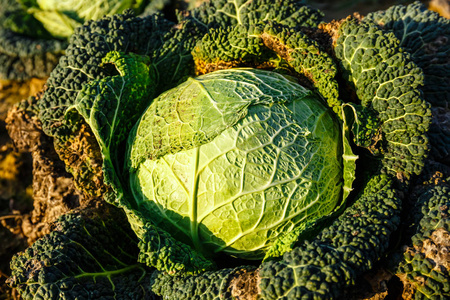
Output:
x=15 y=182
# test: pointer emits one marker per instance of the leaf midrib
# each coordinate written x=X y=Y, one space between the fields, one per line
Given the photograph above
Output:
x=193 y=202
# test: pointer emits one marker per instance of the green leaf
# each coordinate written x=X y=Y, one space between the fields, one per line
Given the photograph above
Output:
x=314 y=225
x=224 y=13
x=201 y=108
x=426 y=36
x=89 y=253
x=323 y=267
x=270 y=44
x=387 y=83
x=220 y=284
x=111 y=105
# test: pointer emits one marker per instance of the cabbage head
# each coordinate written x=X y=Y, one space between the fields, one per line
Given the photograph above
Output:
x=233 y=160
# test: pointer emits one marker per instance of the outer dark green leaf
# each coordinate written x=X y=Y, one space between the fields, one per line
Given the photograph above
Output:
x=217 y=285
x=21 y=56
x=160 y=250
x=387 y=82
x=87 y=256
x=223 y=13
x=426 y=36
x=424 y=268
x=83 y=59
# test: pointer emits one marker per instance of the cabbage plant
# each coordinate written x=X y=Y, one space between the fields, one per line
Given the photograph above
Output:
x=236 y=131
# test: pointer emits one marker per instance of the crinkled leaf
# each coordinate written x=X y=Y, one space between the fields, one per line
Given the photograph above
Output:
x=87 y=255
x=198 y=110
x=111 y=106
x=426 y=36
x=224 y=13
x=315 y=224
x=160 y=250
x=387 y=82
